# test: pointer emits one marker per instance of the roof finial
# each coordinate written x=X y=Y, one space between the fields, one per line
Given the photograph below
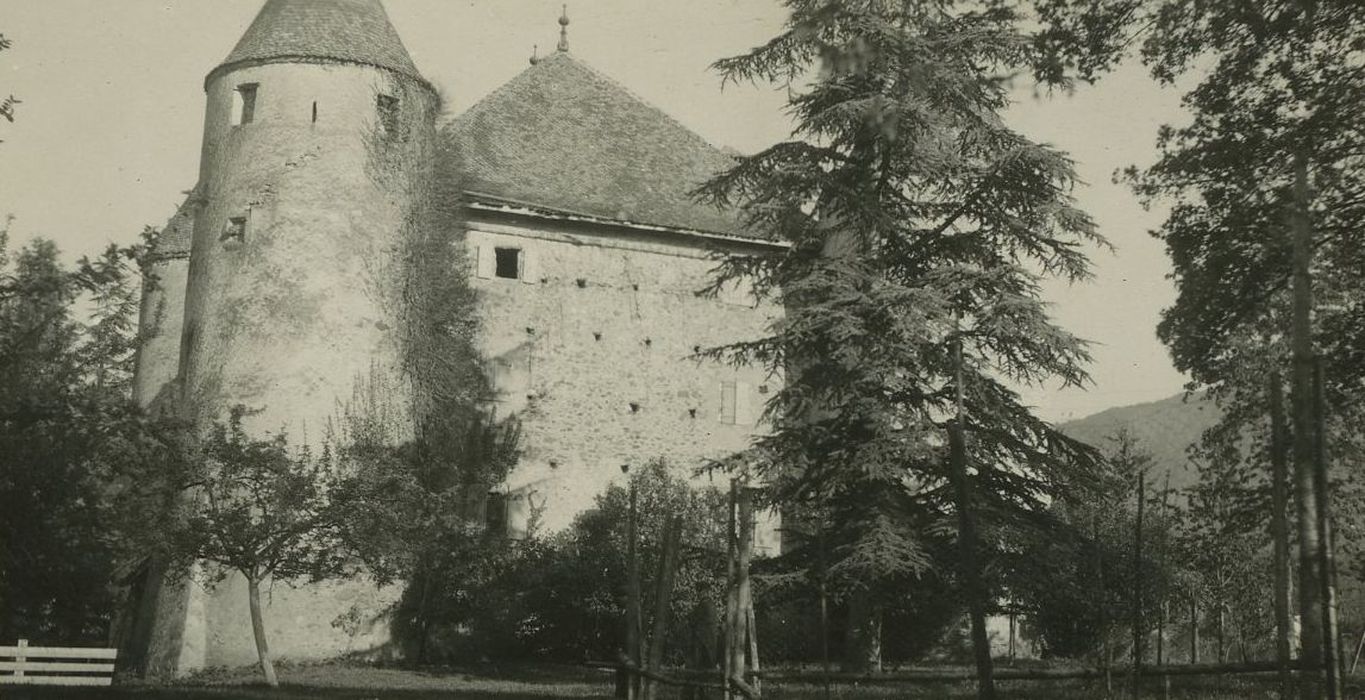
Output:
x=535 y=54
x=564 y=29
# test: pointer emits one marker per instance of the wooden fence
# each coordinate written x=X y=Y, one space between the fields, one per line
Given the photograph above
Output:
x=26 y=665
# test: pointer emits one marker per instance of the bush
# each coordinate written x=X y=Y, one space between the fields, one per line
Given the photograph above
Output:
x=562 y=596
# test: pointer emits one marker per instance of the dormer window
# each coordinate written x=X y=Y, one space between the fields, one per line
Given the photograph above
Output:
x=234 y=231
x=388 y=113
x=244 y=104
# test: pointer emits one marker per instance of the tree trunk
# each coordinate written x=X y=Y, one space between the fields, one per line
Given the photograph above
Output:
x=663 y=596
x=253 y=593
x=1331 y=637
x=1279 y=530
x=1310 y=572
x=1139 y=628
x=633 y=622
x=971 y=566
x=863 y=639
x=1194 y=629
x=966 y=535
x=734 y=645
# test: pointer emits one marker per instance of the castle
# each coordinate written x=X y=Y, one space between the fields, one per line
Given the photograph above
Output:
x=585 y=248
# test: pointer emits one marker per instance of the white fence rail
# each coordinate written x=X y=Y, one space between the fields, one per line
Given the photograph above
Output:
x=26 y=665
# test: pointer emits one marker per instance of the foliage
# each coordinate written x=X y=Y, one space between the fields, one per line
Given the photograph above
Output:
x=8 y=103
x=562 y=596
x=66 y=424
x=918 y=222
x=1077 y=581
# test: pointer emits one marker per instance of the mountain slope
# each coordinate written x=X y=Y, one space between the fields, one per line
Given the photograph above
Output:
x=1163 y=428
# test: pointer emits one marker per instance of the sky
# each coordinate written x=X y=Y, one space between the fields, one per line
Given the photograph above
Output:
x=108 y=134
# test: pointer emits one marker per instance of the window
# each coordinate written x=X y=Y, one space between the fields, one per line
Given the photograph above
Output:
x=495 y=514
x=235 y=231
x=244 y=104
x=508 y=263
x=387 y=106
x=736 y=403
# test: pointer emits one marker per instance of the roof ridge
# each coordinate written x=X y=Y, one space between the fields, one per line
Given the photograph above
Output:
x=643 y=100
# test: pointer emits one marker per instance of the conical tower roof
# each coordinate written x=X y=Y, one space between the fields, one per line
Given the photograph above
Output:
x=348 y=31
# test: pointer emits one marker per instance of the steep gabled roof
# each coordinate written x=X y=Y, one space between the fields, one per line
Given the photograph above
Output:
x=352 y=31
x=562 y=136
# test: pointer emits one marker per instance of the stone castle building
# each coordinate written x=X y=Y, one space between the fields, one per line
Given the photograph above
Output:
x=584 y=245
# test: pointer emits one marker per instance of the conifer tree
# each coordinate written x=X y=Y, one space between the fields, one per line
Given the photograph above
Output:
x=917 y=223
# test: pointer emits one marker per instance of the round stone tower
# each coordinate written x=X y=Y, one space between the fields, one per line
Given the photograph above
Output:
x=317 y=129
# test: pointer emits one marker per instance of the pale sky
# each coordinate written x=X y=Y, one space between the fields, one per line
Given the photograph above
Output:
x=108 y=134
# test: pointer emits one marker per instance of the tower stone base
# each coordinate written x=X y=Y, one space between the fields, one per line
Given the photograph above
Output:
x=198 y=627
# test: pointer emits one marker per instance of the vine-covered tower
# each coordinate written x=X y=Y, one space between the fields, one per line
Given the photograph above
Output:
x=316 y=132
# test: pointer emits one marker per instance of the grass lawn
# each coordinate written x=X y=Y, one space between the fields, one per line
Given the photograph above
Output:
x=518 y=682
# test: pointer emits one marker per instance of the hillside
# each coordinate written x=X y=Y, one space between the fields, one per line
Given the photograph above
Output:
x=1164 y=428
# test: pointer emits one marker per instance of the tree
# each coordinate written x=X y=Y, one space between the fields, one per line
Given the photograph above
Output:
x=1268 y=190
x=8 y=103
x=917 y=222
x=65 y=421
x=255 y=507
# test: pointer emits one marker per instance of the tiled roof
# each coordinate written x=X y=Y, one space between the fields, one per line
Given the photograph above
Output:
x=562 y=136
x=356 y=31
x=178 y=232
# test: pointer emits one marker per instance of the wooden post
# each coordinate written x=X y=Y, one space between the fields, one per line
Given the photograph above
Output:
x=1011 y=636
x=734 y=652
x=1106 y=658
x=747 y=634
x=1327 y=560
x=633 y=622
x=1279 y=530
x=967 y=540
x=1161 y=608
x=1194 y=628
x=824 y=614
x=663 y=596
x=1138 y=627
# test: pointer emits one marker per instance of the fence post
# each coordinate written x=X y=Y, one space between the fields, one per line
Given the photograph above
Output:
x=19 y=659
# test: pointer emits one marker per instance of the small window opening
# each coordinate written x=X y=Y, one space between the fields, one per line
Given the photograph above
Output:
x=244 y=104
x=235 y=231
x=648 y=342
x=508 y=264
x=582 y=283
x=692 y=412
x=315 y=112
x=597 y=335
x=634 y=407
x=388 y=115
x=495 y=514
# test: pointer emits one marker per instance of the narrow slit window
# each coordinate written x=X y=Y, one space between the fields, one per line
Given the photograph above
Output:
x=315 y=112
x=508 y=263
x=387 y=106
x=235 y=230
x=244 y=104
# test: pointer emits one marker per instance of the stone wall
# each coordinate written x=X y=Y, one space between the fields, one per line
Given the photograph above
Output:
x=592 y=348
x=288 y=318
